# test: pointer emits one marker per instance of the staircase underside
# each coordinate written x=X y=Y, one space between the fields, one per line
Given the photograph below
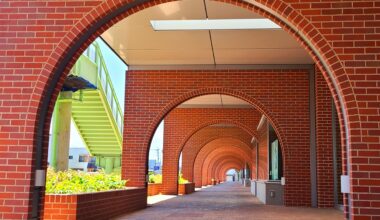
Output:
x=93 y=120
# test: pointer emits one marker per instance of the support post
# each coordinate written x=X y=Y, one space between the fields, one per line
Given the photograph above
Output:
x=109 y=164
x=61 y=132
x=313 y=150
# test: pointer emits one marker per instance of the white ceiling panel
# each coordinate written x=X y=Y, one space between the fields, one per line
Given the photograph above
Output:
x=260 y=39
x=138 y=44
x=215 y=101
x=261 y=56
x=144 y=38
x=230 y=100
x=168 y=57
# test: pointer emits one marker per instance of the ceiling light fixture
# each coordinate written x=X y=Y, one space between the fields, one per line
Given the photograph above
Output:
x=213 y=24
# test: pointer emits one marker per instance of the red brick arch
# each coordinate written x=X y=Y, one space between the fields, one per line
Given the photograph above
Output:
x=214 y=174
x=237 y=124
x=98 y=16
x=226 y=167
x=215 y=165
x=206 y=151
x=182 y=123
x=218 y=150
x=201 y=138
x=224 y=91
x=221 y=163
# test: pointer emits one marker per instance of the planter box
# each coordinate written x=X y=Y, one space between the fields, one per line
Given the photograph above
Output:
x=99 y=205
x=270 y=192
x=154 y=189
x=186 y=188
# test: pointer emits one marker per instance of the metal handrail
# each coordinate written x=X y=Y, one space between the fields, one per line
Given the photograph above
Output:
x=104 y=80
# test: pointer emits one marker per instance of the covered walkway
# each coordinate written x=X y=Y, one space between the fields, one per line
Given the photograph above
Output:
x=227 y=201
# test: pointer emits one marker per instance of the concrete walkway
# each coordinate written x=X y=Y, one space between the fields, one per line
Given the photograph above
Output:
x=227 y=201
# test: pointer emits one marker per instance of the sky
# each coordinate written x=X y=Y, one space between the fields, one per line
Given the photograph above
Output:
x=117 y=70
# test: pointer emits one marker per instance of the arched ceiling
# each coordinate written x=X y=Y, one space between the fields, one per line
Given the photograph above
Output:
x=215 y=101
x=138 y=44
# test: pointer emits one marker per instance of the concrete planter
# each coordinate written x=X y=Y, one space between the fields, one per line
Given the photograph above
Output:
x=186 y=188
x=154 y=189
x=253 y=187
x=270 y=192
x=99 y=205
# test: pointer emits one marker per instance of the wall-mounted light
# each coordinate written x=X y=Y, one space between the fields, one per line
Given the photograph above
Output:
x=214 y=24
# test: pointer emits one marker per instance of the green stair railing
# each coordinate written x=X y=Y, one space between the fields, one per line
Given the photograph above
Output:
x=90 y=62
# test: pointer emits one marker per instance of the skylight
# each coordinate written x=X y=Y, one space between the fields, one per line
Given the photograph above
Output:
x=213 y=24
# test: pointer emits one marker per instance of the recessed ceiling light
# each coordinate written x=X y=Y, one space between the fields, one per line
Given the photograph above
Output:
x=213 y=24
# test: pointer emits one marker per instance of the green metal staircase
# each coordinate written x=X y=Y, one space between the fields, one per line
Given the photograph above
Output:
x=96 y=112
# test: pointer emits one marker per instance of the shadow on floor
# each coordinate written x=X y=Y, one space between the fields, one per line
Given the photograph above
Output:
x=229 y=200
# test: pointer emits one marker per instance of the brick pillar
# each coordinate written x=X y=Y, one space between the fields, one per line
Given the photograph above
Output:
x=324 y=142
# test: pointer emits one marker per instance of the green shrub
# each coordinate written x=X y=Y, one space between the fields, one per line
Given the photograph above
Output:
x=71 y=182
x=155 y=178
x=182 y=180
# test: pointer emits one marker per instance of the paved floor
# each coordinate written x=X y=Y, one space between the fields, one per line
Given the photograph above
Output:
x=227 y=201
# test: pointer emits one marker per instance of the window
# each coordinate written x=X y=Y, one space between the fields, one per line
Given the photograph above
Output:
x=84 y=158
x=274 y=159
x=275 y=156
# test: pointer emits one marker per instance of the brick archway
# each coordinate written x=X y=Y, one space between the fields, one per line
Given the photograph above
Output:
x=215 y=150
x=220 y=170
x=215 y=145
x=182 y=123
x=213 y=174
x=227 y=167
x=223 y=91
x=217 y=168
x=216 y=162
x=201 y=138
x=107 y=13
x=237 y=124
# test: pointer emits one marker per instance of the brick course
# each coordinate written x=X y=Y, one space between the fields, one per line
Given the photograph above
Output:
x=218 y=147
x=100 y=205
x=218 y=156
x=324 y=142
x=204 y=136
x=182 y=123
x=36 y=36
x=286 y=107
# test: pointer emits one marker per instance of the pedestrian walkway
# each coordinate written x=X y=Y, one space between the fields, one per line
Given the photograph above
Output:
x=227 y=201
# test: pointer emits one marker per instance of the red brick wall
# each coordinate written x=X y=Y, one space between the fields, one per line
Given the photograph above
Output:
x=204 y=136
x=101 y=205
x=154 y=189
x=263 y=168
x=37 y=35
x=253 y=165
x=182 y=123
x=186 y=188
x=324 y=142
x=291 y=121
